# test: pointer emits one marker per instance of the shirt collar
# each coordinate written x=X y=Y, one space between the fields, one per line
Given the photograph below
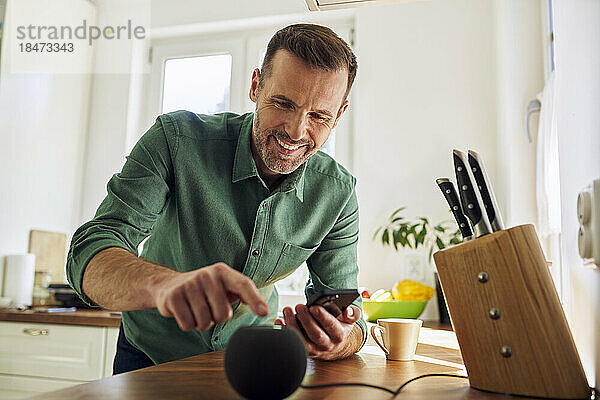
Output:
x=295 y=181
x=244 y=166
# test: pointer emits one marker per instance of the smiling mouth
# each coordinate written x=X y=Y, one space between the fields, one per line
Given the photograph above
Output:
x=287 y=148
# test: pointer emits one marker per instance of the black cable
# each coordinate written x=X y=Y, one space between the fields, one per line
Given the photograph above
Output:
x=595 y=392
x=326 y=385
x=427 y=375
x=393 y=392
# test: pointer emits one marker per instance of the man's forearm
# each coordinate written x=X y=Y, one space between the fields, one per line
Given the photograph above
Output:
x=116 y=279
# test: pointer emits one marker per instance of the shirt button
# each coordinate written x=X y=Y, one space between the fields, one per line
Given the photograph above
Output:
x=255 y=252
x=264 y=205
x=216 y=339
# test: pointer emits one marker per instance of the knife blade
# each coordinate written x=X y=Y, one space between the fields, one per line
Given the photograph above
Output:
x=449 y=192
x=485 y=188
x=470 y=197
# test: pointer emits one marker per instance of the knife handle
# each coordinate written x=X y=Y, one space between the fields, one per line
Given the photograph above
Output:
x=449 y=192
x=472 y=205
x=486 y=192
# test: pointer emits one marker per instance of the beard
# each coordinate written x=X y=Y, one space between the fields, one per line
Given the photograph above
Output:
x=276 y=161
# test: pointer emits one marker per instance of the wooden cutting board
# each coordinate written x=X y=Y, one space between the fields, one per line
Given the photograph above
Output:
x=50 y=249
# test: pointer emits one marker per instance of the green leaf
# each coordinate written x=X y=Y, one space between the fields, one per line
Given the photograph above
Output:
x=397 y=219
x=439 y=228
x=395 y=235
x=417 y=238
x=455 y=240
x=397 y=211
x=385 y=238
x=420 y=239
x=404 y=241
x=430 y=253
x=425 y=220
x=439 y=243
x=377 y=231
x=412 y=229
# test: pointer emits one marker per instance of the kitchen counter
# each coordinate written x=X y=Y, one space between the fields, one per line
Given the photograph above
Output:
x=80 y=317
x=104 y=318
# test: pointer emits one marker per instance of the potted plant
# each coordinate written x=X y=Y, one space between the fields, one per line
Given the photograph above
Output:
x=400 y=232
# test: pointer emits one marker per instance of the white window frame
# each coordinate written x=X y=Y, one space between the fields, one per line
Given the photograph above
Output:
x=194 y=47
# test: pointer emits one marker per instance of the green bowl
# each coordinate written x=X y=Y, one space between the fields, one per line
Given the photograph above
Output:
x=375 y=310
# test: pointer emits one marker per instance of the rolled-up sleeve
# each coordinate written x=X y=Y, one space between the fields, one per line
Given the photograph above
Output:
x=334 y=264
x=135 y=199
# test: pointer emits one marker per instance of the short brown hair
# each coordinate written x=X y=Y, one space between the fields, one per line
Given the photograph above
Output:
x=316 y=45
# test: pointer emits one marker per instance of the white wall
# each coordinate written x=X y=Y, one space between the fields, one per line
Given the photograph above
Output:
x=182 y=12
x=426 y=85
x=115 y=102
x=43 y=120
x=520 y=76
x=577 y=85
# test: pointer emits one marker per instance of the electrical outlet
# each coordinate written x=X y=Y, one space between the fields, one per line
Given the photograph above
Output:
x=588 y=213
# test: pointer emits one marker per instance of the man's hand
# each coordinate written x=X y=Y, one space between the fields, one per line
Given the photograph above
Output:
x=201 y=298
x=327 y=337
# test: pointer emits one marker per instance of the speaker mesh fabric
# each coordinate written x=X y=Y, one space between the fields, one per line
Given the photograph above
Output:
x=265 y=362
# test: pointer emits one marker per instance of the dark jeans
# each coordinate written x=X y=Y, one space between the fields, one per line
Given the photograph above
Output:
x=128 y=358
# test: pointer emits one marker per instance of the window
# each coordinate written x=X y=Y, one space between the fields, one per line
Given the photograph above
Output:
x=204 y=75
x=200 y=84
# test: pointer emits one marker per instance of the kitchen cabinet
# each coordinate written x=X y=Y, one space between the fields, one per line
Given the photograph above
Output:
x=38 y=357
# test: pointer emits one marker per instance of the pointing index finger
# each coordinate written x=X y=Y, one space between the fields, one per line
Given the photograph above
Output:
x=243 y=286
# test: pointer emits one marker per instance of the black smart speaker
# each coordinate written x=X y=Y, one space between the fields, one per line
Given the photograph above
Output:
x=265 y=362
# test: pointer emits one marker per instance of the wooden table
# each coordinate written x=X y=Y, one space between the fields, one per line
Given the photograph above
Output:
x=203 y=377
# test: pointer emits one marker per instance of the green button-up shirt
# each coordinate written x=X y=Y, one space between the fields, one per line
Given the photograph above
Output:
x=191 y=185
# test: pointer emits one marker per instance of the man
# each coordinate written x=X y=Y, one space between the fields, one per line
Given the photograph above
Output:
x=232 y=203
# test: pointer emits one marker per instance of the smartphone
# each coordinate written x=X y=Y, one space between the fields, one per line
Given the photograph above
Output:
x=333 y=300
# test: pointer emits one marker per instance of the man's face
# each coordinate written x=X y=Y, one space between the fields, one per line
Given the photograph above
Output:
x=296 y=109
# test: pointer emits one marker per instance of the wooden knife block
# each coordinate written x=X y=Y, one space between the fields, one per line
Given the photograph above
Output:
x=544 y=361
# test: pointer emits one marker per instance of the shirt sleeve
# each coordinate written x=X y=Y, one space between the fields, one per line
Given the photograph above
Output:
x=135 y=199
x=334 y=264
